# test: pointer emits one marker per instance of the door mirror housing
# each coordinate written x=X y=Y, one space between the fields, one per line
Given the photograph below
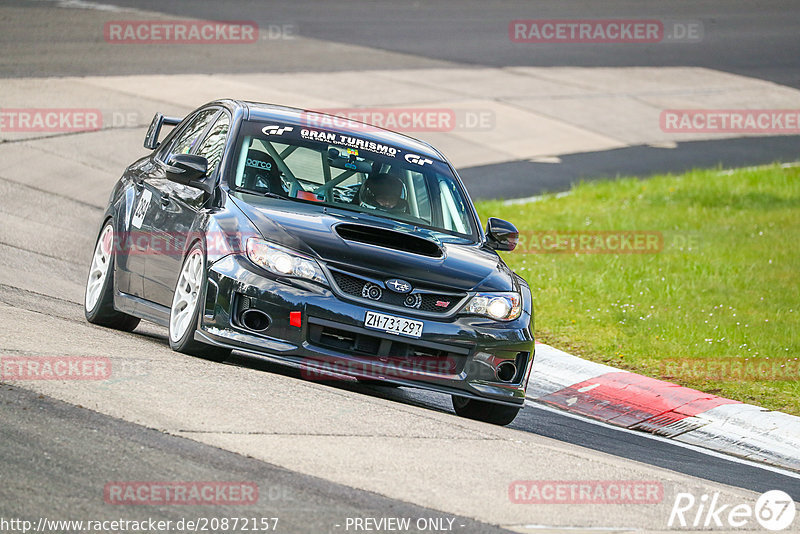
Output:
x=190 y=170
x=502 y=235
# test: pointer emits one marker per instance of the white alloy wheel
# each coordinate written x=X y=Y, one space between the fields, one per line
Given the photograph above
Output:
x=98 y=272
x=187 y=293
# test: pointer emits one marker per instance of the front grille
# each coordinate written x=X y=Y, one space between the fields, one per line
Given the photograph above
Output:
x=388 y=349
x=335 y=338
x=422 y=299
x=348 y=284
x=433 y=302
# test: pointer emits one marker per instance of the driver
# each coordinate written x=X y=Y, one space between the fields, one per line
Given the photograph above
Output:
x=384 y=191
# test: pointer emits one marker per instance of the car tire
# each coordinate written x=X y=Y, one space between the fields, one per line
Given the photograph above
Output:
x=98 y=298
x=488 y=412
x=186 y=305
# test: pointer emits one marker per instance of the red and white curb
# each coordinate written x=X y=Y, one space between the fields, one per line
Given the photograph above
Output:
x=637 y=402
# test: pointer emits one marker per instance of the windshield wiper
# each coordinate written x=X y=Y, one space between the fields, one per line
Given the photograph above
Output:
x=270 y=194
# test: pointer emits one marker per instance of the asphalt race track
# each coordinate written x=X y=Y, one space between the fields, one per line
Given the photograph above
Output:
x=321 y=453
x=755 y=40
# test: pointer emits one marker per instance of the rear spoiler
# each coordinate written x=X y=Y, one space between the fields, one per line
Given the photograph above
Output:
x=151 y=138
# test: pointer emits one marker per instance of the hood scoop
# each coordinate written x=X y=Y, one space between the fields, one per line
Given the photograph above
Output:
x=371 y=235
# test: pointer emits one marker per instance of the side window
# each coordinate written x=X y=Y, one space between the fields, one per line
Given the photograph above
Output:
x=187 y=139
x=214 y=144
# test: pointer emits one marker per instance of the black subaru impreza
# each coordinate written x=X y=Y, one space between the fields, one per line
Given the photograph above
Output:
x=343 y=251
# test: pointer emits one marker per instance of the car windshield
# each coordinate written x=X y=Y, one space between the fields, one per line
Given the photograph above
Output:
x=350 y=172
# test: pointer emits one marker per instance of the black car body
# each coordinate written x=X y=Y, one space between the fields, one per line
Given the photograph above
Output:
x=298 y=263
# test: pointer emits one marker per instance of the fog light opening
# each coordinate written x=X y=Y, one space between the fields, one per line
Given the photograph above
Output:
x=255 y=320
x=506 y=371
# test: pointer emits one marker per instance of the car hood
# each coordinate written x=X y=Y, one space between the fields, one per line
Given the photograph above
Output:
x=312 y=229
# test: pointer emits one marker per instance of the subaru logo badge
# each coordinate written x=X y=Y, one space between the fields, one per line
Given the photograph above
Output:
x=398 y=286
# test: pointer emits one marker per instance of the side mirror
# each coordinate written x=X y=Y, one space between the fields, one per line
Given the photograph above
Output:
x=502 y=234
x=190 y=170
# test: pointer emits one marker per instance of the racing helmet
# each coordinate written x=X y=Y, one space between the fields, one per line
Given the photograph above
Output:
x=382 y=191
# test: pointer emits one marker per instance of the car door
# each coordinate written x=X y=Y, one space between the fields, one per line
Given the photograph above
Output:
x=164 y=224
x=132 y=248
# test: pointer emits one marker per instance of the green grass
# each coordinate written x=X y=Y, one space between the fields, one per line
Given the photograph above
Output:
x=723 y=290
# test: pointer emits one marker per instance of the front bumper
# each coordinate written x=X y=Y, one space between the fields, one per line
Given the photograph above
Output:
x=457 y=355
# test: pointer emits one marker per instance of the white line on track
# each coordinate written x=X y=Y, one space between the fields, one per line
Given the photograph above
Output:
x=82 y=4
x=688 y=446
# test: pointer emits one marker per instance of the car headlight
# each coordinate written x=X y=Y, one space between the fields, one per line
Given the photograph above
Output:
x=500 y=306
x=282 y=261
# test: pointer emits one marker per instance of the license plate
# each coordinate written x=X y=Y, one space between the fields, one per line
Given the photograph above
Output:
x=393 y=325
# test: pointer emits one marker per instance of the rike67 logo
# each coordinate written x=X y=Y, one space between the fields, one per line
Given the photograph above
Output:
x=774 y=510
